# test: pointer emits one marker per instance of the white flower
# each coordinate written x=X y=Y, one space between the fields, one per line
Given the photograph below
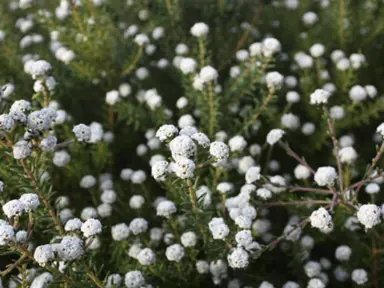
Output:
x=136 y=201
x=244 y=238
x=13 y=208
x=188 y=65
x=325 y=176
x=274 y=80
x=181 y=49
x=224 y=187
x=312 y=269
x=264 y=193
x=309 y=18
x=91 y=227
x=73 y=224
x=290 y=121
x=237 y=143
x=112 y=97
x=70 y=248
x=6 y=233
x=201 y=139
x=138 y=225
x=202 y=267
x=166 y=132
x=292 y=97
x=302 y=172
x=166 y=208
x=359 y=276
x=21 y=149
x=208 y=74
x=30 y=201
x=199 y=29
x=343 y=253
x=238 y=258
x=82 y=133
x=61 y=158
x=134 y=279
x=40 y=68
x=371 y=91
x=125 y=89
x=120 y=232
x=184 y=168
x=48 y=144
x=146 y=256
x=274 y=136
x=317 y=50
x=219 y=151
x=320 y=218
x=218 y=228
x=357 y=93
x=141 y=39
x=380 y=129
x=6 y=122
x=188 y=239
x=320 y=96
x=252 y=174
x=347 y=155
x=174 y=252
x=43 y=254
x=182 y=146
x=336 y=112
x=372 y=188
x=113 y=280
x=87 y=182
x=369 y=215
x=315 y=283
x=270 y=46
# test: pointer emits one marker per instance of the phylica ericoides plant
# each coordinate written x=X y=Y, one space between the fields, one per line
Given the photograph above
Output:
x=177 y=143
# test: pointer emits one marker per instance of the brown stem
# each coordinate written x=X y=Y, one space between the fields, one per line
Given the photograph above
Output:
x=336 y=149
x=52 y=213
x=373 y=165
x=14 y=265
x=294 y=155
x=362 y=182
x=93 y=277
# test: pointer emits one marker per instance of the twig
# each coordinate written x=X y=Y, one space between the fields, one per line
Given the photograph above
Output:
x=14 y=265
x=309 y=202
x=93 y=277
x=294 y=155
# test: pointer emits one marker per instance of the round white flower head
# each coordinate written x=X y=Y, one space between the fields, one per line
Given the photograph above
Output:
x=188 y=65
x=43 y=254
x=70 y=248
x=73 y=224
x=317 y=50
x=136 y=202
x=182 y=102
x=82 y=133
x=13 y=208
x=21 y=149
x=184 y=168
x=320 y=218
x=199 y=29
x=320 y=96
x=359 y=276
x=224 y=187
x=369 y=215
x=274 y=80
x=301 y=172
x=292 y=97
x=207 y=74
x=347 y=155
x=87 y=182
x=266 y=284
x=40 y=68
x=125 y=89
x=325 y=176
x=120 y=232
x=166 y=208
x=113 y=280
x=309 y=18
x=336 y=112
x=380 y=129
x=146 y=256
x=270 y=46
x=264 y=193
x=126 y=174
x=30 y=201
x=108 y=196
x=238 y=258
x=219 y=151
x=243 y=222
x=61 y=158
x=315 y=283
x=182 y=146
x=372 y=188
x=290 y=284
x=343 y=253
x=312 y=269
x=48 y=144
x=91 y=227
x=6 y=121
x=138 y=225
x=112 y=97
x=181 y=49
x=88 y=213
x=166 y=132
x=134 y=279
x=1 y=186
x=202 y=267
x=141 y=39
x=244 y=238
x=252 y=174
x=201 y=139
x=290 y=121
x=185 y=121
x=188 y=239
x=138 y=177
x=274 y=136
x=237 y=143
x=357 y=93
x=174 y=252
x=104 y=210
x=371 y=91
x=6 y=233
x=218 y=228
x=242 y=55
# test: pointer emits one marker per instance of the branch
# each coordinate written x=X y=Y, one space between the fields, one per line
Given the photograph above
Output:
x=294 y=155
